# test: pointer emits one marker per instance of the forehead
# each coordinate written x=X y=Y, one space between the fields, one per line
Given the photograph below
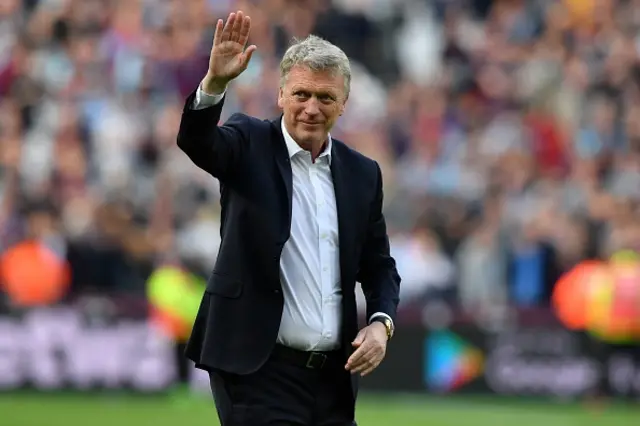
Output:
x=301 y=77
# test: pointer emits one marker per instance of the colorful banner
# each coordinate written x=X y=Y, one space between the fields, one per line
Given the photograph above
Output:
x=526 y=361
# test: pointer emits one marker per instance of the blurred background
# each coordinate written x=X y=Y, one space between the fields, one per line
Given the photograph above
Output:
x=508 y=132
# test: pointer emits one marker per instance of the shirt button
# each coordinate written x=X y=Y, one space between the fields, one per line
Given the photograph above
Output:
x=323 y=236
x=325 y=269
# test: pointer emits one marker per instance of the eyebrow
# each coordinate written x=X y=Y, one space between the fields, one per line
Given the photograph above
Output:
x=317 y=93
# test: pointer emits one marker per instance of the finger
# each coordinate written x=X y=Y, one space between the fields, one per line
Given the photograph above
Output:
x=247 y=55
x=358 y=353
x=355 y=358
x=363 y=365
x=370 y=365
x=373 y=356
x=217 y=36
x=359 y=339
x=362 y=355
x=237 y=25
x=365 y=369
x=245 y=29
x=226 y=32
x=369 y=370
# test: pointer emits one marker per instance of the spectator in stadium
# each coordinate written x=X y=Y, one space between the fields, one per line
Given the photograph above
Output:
x=302 y=221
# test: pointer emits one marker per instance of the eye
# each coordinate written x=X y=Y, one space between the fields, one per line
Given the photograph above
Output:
x=301 y=95
x=326 y=98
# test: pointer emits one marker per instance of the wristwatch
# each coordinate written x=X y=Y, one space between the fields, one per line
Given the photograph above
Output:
x=388 y=324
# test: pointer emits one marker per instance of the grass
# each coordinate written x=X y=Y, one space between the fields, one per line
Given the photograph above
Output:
x=181 y=410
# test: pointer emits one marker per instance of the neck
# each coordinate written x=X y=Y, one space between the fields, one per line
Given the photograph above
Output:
x=314 y=148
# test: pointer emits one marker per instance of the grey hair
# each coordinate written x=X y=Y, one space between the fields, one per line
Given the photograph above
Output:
x=316 y=54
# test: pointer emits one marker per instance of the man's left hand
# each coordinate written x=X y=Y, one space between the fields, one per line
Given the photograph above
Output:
x=371 y=346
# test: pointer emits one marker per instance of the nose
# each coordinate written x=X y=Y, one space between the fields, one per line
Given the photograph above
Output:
x=311 y=107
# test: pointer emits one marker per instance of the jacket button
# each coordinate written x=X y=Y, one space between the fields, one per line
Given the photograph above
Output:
x=276 y=291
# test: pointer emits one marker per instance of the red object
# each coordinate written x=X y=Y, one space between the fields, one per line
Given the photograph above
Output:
x=171 y=325
x=31 y=274
x=548 y=144
x=571 y=293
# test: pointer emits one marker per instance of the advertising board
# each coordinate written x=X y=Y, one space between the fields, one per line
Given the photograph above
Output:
x=539 y=361
x=57 y=349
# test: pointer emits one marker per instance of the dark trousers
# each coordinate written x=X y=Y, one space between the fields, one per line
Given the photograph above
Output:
x=287 y=390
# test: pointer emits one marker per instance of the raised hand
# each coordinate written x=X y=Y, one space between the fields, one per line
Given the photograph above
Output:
x=229 y=58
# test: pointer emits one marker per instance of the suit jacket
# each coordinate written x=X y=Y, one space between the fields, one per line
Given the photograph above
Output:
x=239 y=317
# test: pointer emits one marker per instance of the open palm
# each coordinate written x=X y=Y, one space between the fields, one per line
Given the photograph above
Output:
x=229 y=58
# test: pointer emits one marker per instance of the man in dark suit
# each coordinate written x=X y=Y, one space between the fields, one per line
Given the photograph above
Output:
x=302 y=221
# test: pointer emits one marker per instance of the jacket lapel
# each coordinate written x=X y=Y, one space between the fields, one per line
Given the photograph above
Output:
x=344 y=207
x=283 y=163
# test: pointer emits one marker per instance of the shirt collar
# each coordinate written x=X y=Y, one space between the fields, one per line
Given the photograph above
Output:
x=293 y=148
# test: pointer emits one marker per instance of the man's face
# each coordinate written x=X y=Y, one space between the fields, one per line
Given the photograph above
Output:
x=311 y=102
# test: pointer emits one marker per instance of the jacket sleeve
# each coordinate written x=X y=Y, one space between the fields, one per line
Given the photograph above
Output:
x=216 y=149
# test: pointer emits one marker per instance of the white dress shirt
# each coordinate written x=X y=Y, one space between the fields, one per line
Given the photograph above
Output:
x=310 y=261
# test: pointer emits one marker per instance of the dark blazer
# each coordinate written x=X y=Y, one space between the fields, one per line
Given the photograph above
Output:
x=239 y=317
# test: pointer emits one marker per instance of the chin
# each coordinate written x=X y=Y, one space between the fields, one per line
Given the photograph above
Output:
x=306 y=136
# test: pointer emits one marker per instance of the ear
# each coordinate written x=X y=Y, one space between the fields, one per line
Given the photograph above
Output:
x=342 y=107
x=281 y=98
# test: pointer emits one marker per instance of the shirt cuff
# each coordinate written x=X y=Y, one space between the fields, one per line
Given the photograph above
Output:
x=205 y=100
x=382 y=314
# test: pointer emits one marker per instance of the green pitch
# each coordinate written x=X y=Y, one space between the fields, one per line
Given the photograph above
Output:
x=180 y=410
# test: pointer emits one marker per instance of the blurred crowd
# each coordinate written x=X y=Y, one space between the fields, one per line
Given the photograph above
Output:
x=508 y=132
